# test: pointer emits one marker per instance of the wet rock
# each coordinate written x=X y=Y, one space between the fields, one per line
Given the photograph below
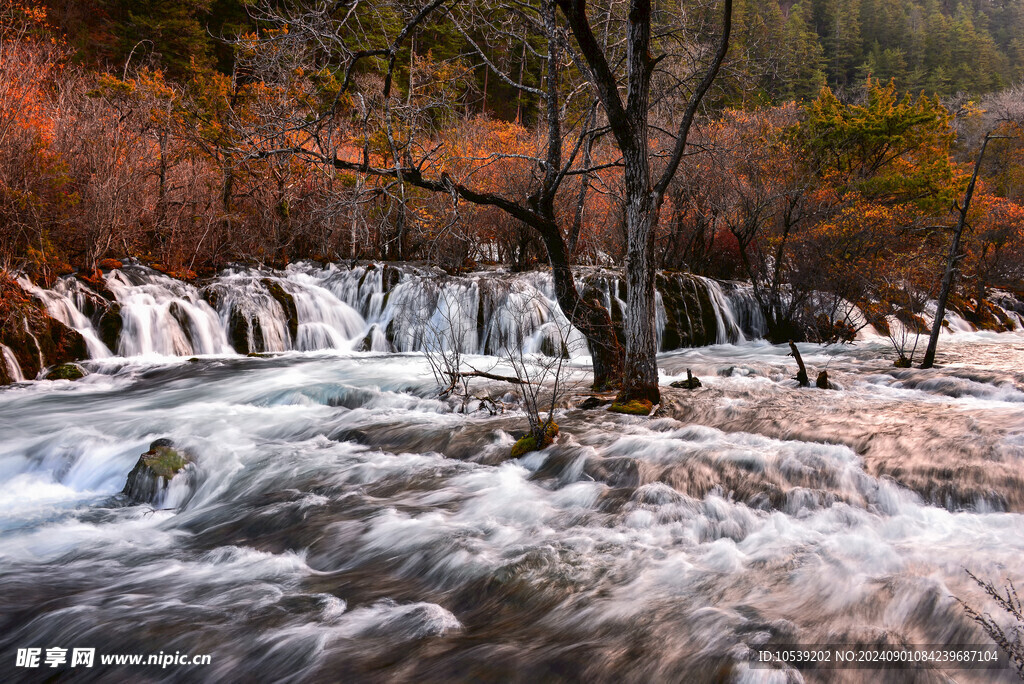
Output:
x=212 y=297
x=390 y=276
x=183 y=321
x=287 y=302
x=823 y=382
x=34 y=337
x=66 y=371
x=593 y=403
x=689 y=312
x=366 y=344
x=238 y=331
x=637 y=407
x=902 y=362
x=110 y=326
x=528 y=442
x=556 y=347
x=245 y=334
x=689 y=383
x=154 y=470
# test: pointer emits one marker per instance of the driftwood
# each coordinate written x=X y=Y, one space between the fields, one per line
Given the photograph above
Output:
x=801 y=375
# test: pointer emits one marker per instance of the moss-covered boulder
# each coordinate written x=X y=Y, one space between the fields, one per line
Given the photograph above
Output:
x=154 y=470
x=528 y=442
x=636 y=407
x=66 y=371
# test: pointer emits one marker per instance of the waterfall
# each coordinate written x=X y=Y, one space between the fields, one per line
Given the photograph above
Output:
x=66 y=302
x=376 y=307
x=13 y=367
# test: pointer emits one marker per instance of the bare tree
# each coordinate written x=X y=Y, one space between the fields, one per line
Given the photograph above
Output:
x=544 y=379
x=573 y=61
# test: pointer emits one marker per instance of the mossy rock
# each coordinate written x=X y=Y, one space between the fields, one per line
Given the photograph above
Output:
x=154 y=470
x=636 y=407
x=902 y=362
x=528 y=443
x=66 y=371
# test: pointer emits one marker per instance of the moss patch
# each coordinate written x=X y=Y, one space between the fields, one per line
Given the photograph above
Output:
x=67 y=371
x=164 y=461
x=637 y=407
x=528 y=443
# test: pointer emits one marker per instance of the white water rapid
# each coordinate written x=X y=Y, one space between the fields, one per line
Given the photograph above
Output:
x=345 y=524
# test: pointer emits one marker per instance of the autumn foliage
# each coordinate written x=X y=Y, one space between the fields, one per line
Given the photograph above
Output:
x=819 y=204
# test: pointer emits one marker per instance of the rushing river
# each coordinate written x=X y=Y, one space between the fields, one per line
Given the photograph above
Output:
x=343 y=524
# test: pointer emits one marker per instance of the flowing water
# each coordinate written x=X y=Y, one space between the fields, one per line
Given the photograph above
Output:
x=342 y=523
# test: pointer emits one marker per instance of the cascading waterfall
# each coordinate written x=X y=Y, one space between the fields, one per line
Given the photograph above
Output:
x=11 y=362
x=66 y=302
x=375 y=308
x=385 y=308
x=161 y=315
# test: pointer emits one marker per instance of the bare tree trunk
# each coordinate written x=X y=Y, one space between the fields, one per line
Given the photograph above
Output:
x=640 y=379
x=952 y=260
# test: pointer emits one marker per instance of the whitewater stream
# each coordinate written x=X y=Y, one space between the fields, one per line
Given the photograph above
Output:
x=342 y=523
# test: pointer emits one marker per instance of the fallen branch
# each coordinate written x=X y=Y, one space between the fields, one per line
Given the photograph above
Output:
x=490 y=376
x=801 y=375
x=478 y=374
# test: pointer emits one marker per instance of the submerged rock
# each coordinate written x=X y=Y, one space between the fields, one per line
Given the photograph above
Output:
x=66 y=371
x=637 y=407
x=154 y=471
x=528 y=443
